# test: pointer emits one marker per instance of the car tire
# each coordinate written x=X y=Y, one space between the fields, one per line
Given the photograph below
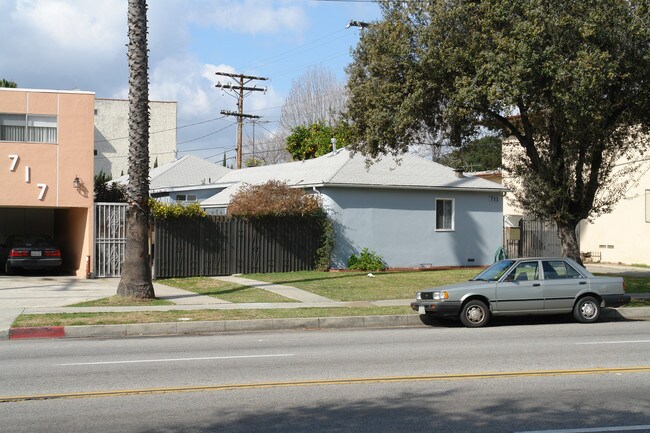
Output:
x=586 y=310
x=475 y=314
x=9 y=270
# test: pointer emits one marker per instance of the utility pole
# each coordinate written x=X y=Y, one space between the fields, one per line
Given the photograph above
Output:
x=238 y=90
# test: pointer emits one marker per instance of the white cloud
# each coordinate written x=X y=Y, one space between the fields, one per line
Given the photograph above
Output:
x=252 y=16
x=78 y=25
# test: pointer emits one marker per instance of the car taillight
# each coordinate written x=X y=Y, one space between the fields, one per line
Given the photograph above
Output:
x=19 y=253
x=52 y=253
x=624 y=287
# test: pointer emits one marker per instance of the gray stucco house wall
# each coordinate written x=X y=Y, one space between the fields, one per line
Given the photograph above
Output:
x=400 y=226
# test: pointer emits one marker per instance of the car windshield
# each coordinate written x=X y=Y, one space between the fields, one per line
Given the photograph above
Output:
x=494 y=272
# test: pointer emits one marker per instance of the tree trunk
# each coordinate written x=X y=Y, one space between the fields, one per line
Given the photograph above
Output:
x=136 y=271
x=567 y=234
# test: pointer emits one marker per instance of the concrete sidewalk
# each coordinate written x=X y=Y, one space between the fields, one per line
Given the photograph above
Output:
x=41 y=295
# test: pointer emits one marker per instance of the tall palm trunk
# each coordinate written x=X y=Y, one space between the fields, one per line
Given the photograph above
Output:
x=136 y=272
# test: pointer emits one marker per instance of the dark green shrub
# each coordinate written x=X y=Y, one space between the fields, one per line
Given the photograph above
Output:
x=366 y=261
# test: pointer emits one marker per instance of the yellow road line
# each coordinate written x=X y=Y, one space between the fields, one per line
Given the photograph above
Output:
x=348 y=381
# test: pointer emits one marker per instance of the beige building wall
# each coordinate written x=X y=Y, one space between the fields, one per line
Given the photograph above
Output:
x=37 y=191
x=623 y=236
x=112 y=131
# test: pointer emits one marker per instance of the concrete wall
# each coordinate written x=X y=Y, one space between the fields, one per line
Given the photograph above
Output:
x=399 y=225
x=43 y=175
x=112 y=131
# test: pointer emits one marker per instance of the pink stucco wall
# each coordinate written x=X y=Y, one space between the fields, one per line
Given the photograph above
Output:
x=54 y=165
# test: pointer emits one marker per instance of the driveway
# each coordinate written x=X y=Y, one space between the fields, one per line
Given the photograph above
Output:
x=20 y=292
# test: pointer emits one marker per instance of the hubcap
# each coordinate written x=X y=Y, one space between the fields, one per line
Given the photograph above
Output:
x=588 y=310
x=475 y=314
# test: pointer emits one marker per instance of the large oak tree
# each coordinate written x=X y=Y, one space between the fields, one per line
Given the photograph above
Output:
x=569 y=81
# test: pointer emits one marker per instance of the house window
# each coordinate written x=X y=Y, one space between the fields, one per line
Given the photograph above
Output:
x=444 y=214
x=185 y=198
x=31 y=128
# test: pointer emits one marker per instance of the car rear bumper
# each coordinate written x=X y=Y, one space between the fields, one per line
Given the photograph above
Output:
x=30 y=263
x=613 y=301
x=447 y=308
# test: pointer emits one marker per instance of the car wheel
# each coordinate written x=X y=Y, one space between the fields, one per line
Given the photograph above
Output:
x=475 y=314
x=8 y=269
x=587 y=310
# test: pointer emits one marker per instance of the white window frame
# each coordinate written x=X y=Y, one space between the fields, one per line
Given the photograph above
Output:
x=453 y=215
x=187 y=198
x=31 y=124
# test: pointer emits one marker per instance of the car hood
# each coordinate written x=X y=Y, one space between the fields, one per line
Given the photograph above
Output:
x=461 y=286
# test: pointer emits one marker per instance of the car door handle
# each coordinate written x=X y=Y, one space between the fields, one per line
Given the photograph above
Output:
x=535 y=284
x=582 y=283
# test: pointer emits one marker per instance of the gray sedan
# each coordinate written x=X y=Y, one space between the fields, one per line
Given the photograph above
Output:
x=524 y=286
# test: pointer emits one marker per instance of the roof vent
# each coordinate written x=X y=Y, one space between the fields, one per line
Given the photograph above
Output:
x=459 y=172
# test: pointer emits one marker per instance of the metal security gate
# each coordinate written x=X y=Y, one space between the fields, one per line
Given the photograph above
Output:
x=533 y=238
x=110 y=238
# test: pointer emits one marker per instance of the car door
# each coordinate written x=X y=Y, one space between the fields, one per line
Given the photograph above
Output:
x=520 y=289
x=561 y=285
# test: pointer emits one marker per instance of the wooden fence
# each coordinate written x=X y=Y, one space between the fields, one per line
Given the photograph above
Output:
x=219 y=245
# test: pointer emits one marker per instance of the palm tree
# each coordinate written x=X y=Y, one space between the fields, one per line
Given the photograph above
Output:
x=136 y=271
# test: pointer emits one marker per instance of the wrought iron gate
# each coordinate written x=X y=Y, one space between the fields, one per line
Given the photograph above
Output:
x=533 y=238
x=110 y=238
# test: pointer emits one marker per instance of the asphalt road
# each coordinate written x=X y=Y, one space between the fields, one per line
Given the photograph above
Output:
x=518 y=377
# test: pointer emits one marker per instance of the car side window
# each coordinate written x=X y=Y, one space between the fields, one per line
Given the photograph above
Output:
x=559 y=269
x=524 y=271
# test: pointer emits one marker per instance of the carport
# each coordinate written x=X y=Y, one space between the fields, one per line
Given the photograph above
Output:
x=66 y=226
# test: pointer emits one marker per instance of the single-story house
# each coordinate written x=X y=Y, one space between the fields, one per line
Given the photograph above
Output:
x=189 y=179
x=413 y=212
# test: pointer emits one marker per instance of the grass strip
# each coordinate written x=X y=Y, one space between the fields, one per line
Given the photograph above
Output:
x=114 y=318
x=235 y=293
x=120 y=301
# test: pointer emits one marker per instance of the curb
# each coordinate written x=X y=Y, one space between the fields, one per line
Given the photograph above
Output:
x=195 y=328
x=212 y=327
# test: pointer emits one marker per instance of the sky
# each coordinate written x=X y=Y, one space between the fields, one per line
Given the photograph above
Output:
x=81 y=45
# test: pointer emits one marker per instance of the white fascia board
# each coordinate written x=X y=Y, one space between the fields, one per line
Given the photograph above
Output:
x=19 y=89
x=410 y=187
x=186 y=188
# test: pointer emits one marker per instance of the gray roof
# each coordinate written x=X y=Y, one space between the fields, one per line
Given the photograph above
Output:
x=341 y=168
x=188 y=171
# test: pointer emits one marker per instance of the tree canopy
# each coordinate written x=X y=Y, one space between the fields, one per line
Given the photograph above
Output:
x=312 y=141
x=477 y=155
x=568 y=81
x=7 y=83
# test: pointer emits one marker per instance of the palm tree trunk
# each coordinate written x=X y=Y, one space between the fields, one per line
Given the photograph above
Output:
x=136 y=271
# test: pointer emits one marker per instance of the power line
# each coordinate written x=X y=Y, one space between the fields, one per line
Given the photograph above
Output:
x=163 y=130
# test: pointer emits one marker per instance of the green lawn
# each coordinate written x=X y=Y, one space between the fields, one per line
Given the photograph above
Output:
x=632 y=284
x=358 y=286
x=230 y=292
x=77 y=319
x=119 y=301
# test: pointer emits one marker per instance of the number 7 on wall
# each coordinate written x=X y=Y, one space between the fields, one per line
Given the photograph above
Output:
x=43 y=188
x=14 y=160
